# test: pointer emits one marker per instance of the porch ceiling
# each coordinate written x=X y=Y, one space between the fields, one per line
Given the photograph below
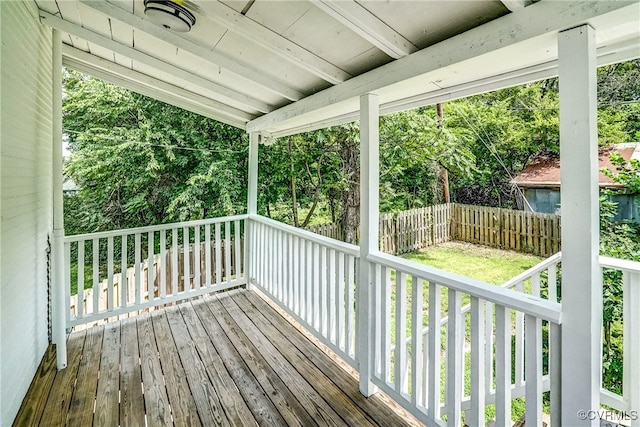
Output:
x=282 y=67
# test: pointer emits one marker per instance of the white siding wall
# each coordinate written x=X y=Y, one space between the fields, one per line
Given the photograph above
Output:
x=25 y=198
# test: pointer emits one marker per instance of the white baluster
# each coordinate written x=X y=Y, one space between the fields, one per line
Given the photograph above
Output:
x=503 y=366
x=533 y=393
x=80 y=281
x=477 y=362
x=417 y=376
x=435 y=349
x=455 y=343
x=110 y=273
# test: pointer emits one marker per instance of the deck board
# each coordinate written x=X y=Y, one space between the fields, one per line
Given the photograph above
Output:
x=156 y=401
x=183 y=407
x=81 y=411
x=57 y=407
x=229 y=359
x=306 y=395
x=206 y=397
x=331 y=398
x=38 y=393
x=233 y=404
x=131 y=398
x=374 y=405
x=288 y=405
x=253 y=393
x=107 y=406
x=320 y=381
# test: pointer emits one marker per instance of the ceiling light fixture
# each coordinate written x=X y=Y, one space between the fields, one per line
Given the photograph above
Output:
x=169 y=14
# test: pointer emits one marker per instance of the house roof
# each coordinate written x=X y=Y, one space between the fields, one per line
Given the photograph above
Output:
x=283 y=67
x=545 y=171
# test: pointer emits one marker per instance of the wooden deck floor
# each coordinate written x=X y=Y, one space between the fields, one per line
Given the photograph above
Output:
x=229 y=359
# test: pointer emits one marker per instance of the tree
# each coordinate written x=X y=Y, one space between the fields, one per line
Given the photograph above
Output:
x=413 y=149
x=138 y=161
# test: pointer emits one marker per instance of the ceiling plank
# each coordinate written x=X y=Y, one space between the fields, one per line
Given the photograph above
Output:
x=368 y=26
x=274 y=42
x=515 y=5
x=545 y=17
x=150 y=86
x=136 y=55
x=188 y=46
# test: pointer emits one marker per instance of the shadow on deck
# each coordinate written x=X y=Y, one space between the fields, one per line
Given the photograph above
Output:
x=229 y=359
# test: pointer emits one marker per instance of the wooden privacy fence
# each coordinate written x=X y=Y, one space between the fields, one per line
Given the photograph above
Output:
x=415 y=229
x=530 y=232
x=331 y=230
x=412 y=230
x=405 y=231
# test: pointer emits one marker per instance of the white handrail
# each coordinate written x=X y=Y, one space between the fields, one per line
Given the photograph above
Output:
x=619 y=264
x=417 y=357
x=528 y=304
x=308 y=235
x=160 y=227
x=538 y=268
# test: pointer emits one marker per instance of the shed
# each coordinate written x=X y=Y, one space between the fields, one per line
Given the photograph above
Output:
x=540 y=183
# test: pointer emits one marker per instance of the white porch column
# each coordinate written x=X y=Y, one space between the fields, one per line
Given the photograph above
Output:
x=581 y=278
x=252 y=206
x=369 y=207
x=58 y=300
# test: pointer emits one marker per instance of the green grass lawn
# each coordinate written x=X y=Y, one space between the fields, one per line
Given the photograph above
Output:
x=479 y=262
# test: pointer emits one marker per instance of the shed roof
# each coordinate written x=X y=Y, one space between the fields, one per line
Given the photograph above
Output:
x=544 y=172
x=283 y=67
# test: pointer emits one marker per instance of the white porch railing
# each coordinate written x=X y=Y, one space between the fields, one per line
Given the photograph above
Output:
x=409 y=295
x=122 y=271
x=311 y=277
x=529 y=282
x=547 y=272
x=629 y=401
x=481 y=330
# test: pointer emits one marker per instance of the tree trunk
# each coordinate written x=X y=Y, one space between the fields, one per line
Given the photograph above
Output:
x=294 y=198
x=444 y=173
x=350 y=215
x=332 y=207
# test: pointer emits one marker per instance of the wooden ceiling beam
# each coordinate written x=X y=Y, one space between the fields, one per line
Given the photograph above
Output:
x=515 y=5
x=115 y=12
x=272 y=41
x=368 y=26
x=151 y=61
x=541 y=18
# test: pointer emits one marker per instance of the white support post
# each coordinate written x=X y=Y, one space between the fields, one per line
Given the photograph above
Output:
x=369 y=190
x=252 y=209
x=58 y=284
x=581 y=279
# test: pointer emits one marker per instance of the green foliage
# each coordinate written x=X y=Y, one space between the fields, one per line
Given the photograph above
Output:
x=626 y=174
x=138 y=162
x=412 y=150
x=618 y=95
x=508 y=128
x=618 y=239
